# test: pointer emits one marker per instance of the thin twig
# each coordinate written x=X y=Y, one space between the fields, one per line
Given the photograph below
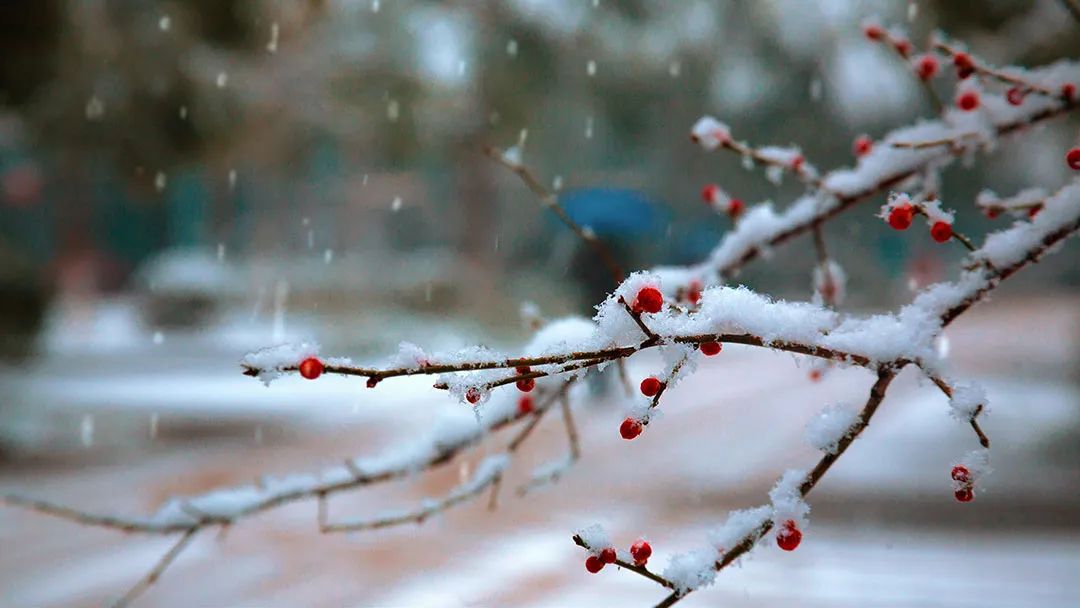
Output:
x=152 y=576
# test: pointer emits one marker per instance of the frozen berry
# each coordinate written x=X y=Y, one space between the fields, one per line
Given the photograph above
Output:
x=900 y=217
x=873 y=32
x=608 y=555
x=1072 y=157
x=526 y=385
x=311 y=368
x=902 y=46
x=1015 y=96
x=815 y=375
x=630 y=428
x=472 y=395
x=964 y=494
x=862 y=145
x=649 y=299
x=371 y=382
x=525 y=405
x=710 y=193
x=961 y=473
x=1034 y=211
x=710 y=348
x=797 y=162
x=522 y=369
x=735 y=207
x=1068 y=91
x=640 y=551
x=941 y=231
x=967 y=101
x=594 y=564
x=693 y=292
x=965 y=65
x=789 y=537
x=992 y=212
x=926 y=67
x=650 y=386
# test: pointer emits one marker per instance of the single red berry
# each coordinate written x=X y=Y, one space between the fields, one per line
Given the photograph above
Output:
x=900 y=217
x=1034 y=211
x=789 y=537
x=903 y=46
x=311 y=368
x=964 y=494
x=967 y=101
x=862 y=146
x=594 y=564
x=649 y=299
x=797 y=162
x=1015 y=96
x=735 y=207
x=941 y=231
x=992 y=212
x=640 y=551
x=630 y=428
x=371 y=382
x=526 y=385
x=1068 y=91
x=650 y=386
x=525 y=405
x=1072 y=157
x=710 y=193
x=472 y=395
x=693 y=292
x=522 y=369
x=926 y=67
x=965 y=65
x=874 y=32
x=961 y=473
x=608 y=555
x=815 y=375
x=710 y=348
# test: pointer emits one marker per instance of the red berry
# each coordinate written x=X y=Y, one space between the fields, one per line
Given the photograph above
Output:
x=900 y=217
x=1072 y=157
x=815 y=375
x=789 y=537
x=311 y=368
x=641 y=551
x=594 y=564
x=1015 y=96
x=1034 y=211
x=693 y=292
x=650 y=386
x=710 y=193
x=903 y=46
x=735 y=207
x=525 y=405
x=874 y=32
x=608 y=555
x=522 y=369
x=797 y=162
x=961 y=473
x=649 y=299
x=967 y=101
x=371 y=382
x=526 y=384
x=1068 y=91
x=965 y=66
x=964 y=494
x=472 y=395
x=862 y=145
x=992 y=212
x=710 y=348
x=926 y=67
x=630 y=428
x=941 y=231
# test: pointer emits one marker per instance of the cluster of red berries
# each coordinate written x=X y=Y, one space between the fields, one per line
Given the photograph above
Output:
x=965 y=65
x=877 y=33
x=648 y=299
x=964 y=484
x=640 y=551
x=711 y=195
x=1072 y=158
x=789 y=536
x=901 y=216
x=311 y=368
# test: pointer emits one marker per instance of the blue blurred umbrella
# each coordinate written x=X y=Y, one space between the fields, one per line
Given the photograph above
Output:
x=614 y=213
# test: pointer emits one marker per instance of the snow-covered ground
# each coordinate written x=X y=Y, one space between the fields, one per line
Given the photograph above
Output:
x=884 y=530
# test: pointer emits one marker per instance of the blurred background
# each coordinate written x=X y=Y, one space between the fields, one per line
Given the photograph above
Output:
x=182 y=182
